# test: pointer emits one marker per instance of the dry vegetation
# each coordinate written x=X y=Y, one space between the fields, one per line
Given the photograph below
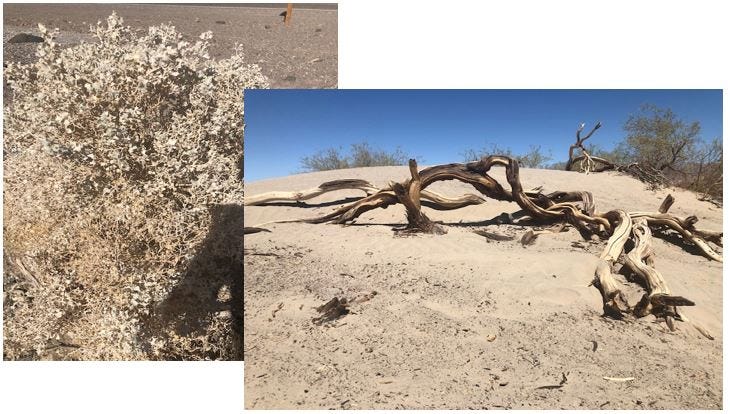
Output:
x=535 y=157
x=122 y=193
x=360 y=155
x=658 y=148
x=628 y=233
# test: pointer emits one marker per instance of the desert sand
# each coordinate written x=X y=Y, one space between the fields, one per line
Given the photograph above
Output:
x=462 y=322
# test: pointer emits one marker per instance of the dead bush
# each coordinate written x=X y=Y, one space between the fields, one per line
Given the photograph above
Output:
x=117 y=155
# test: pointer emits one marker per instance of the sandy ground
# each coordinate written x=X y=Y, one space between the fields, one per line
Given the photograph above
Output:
x=459 y=322
x=302 y=55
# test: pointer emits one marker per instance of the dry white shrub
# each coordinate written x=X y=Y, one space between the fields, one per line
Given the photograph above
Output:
x=122 y=191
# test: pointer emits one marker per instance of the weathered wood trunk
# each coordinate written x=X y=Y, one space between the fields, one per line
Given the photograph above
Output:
x=576 y=208
x=409 y=194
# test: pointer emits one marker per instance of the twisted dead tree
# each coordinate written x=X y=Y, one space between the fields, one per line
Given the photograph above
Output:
x=439 y=201
x=588 y=163
x=575 y=208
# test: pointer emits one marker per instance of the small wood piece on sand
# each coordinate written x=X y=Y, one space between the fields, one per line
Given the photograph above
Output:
x=614 y=379
x=331 y=310
x=494 y=236
x=251 y=230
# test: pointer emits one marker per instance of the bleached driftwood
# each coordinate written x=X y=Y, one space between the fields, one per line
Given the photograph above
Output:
x=310 y=192
x=575 y=208
x=440 y=200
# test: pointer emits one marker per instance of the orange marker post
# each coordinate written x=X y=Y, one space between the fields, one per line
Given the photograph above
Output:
x=287 y=18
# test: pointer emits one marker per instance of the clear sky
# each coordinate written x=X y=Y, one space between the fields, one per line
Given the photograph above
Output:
x=437 y=126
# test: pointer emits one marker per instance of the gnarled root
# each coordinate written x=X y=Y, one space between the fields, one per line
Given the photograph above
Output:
x=614 y=301
x=409 y=194
x=615 y=304
x=349 y=184
x=576 y=208
x=658 y=299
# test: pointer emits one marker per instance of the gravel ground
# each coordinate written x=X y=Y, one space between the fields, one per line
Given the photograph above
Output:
x=302 y=55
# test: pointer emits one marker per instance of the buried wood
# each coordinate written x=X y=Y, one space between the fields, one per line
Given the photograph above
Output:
x=331 y=310
x=563 y=381
x=530 y=236
x=335 y=308
x=666 y=204
x=561 y=208
x=252 y=230
x=615 y=379
x=494 y=236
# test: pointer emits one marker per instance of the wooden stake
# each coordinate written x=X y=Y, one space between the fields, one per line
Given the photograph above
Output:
x=287 y=18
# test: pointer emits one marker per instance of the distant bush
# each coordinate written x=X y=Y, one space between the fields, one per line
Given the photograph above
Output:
x=533 y=158
x=704 y=173
x=361 y=155
x=115 y=154
x=558 y=165
x=658 y=138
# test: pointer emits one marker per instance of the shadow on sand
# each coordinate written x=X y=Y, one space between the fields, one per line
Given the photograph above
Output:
x=208 y=301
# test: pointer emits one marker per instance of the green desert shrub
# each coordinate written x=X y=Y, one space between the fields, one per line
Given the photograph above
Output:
x=658 y=138
x=360 y=155
x=535 y=157
x=117 y=156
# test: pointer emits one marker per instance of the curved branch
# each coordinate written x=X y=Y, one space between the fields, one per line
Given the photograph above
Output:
x=575 y=207
x=684 y=227
x=451 y=203
x=614 y=301
x=658 y=299
x=579 y=144
x=349 y=184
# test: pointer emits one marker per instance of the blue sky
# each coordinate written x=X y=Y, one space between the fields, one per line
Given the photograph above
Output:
x=437 y=126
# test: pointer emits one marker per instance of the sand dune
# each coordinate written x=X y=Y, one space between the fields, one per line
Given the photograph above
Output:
x=459 y=322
